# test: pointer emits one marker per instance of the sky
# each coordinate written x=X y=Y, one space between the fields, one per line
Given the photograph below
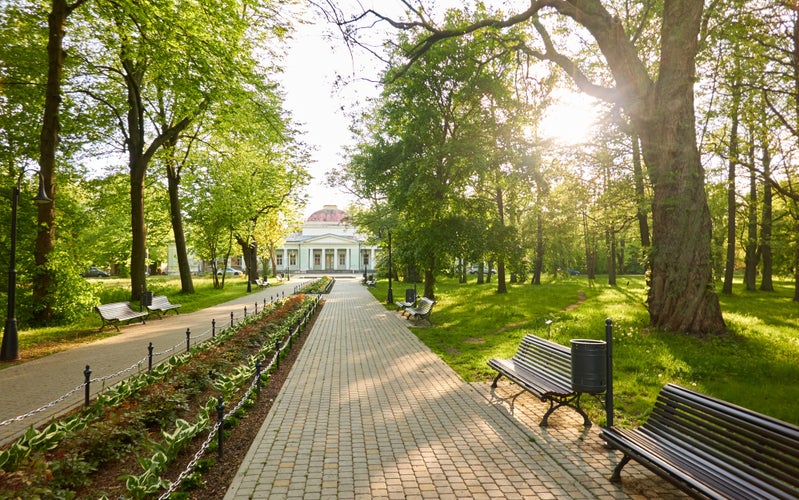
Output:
x=311 y=67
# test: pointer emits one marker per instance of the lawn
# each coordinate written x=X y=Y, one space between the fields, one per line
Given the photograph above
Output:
x=756 y=364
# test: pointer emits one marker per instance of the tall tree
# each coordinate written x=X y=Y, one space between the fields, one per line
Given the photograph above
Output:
x=48 y=145
x=681 y=294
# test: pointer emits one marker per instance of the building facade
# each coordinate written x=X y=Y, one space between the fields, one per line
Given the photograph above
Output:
x=326 y=244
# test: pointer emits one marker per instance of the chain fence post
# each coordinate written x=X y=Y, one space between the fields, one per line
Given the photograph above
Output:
x=213 y=328
x=257 y=378
x=188 y=339
x=87 y=373
x=220 y=415
x=150 y=357
x=231 y=319
x=277 y=354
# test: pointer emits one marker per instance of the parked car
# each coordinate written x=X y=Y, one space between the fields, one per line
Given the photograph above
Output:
x=93 y=272
x=229 y=270
x=476 y=269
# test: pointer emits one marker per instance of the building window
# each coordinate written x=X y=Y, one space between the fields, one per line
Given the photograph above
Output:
x=342 y=259
x=365 y=259
x=279 y=259
x=292 y=258
x=317 y=258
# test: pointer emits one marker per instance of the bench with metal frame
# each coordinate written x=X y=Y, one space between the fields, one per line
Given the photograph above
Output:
x=710 y=448
x=420 y=312
x=161 y=305
x=114 y=313
x=544 y=369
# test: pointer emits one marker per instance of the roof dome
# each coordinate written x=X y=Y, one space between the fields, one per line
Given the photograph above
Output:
x=330 y=213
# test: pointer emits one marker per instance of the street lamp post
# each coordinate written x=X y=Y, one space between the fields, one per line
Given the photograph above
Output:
x=10 y=347
x=390 y=297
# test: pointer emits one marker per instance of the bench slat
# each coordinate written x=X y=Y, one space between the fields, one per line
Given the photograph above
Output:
x=160 y=304
x=717 y=448
x=113 y=313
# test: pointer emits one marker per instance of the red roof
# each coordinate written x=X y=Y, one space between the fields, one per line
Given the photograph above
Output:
x=330 y=213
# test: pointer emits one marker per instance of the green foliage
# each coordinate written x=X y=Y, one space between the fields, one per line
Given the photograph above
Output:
x=72 y=295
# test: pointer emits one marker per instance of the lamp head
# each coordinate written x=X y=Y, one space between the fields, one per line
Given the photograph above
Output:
x=41 y=196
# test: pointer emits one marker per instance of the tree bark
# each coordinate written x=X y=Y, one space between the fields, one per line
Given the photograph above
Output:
x=764 y=249
x=430 y=278
x=538 y=262
x=48 y=144
x=750 y=251
x=640 y=193
x=137 y=167
x=681 y=295
x=729 y=268
x=176 y=217
x=502 y=286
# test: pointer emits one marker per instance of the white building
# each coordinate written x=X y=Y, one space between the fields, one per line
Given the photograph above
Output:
x=327 y=244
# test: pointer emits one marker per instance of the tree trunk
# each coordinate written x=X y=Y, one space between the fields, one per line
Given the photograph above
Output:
x=766 y=283
x=681 y=295
x=611 y=241
x=750 y=251
x=796 y=268
x=538 y=263
x=138 y=251
x=502 y=286
x=138 y=167
x=729 y=268
x=640 y=194
x=176 y=217
x=48 y=144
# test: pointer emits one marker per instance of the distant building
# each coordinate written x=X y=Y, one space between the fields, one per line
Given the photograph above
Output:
x=327 y=243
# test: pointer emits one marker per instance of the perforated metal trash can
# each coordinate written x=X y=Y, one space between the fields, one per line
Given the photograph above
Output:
x=589 y=367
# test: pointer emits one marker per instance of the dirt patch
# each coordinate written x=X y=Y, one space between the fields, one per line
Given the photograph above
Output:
x=580 y=299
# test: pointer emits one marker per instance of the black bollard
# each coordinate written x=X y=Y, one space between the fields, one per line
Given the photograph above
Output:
x=188 y=340
x=87 y=373
x=231 y=319
x=245 y=312
x=277 y=354
x=213 y=328
x=609 y=370
x=150 y=357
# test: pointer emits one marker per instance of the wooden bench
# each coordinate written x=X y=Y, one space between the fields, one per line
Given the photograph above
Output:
x=115 y=312
x=161 y=305
x=711 y=448
x=420 y=312
x=544 y=369
x=262 y=283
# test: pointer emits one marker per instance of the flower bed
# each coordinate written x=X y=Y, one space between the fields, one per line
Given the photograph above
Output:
x=151 y=417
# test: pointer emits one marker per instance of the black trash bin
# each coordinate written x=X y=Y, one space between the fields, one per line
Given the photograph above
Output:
x=589 y=366
x=410 y=295
x=147 y=298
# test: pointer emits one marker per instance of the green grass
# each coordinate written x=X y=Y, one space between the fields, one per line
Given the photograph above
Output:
x=38 y=342
x=755 y=365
